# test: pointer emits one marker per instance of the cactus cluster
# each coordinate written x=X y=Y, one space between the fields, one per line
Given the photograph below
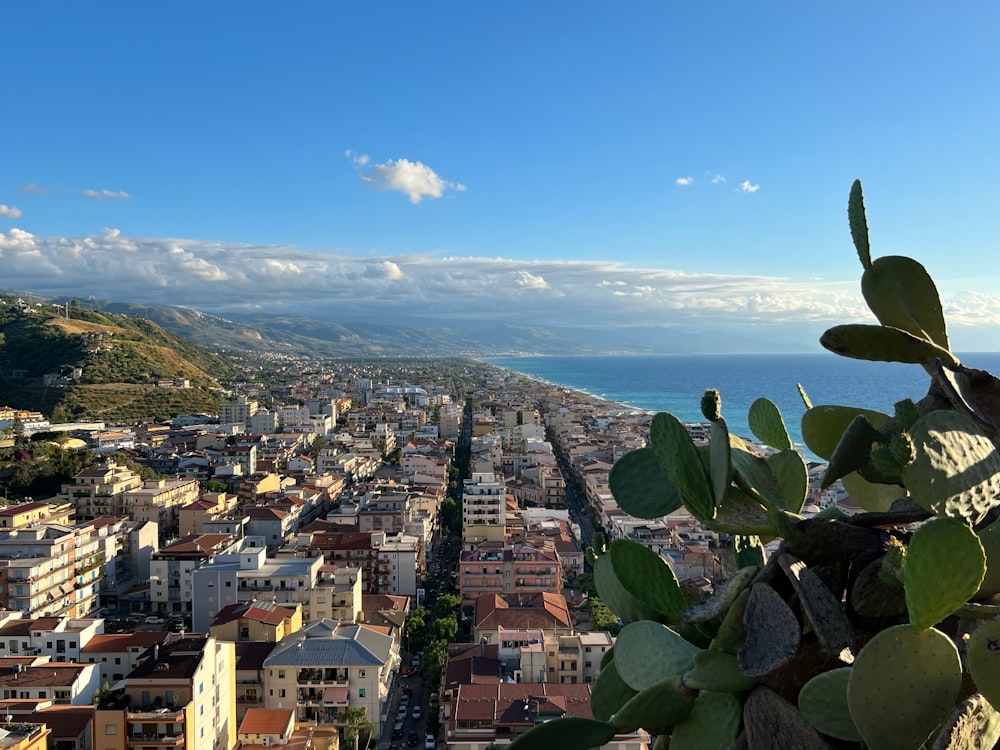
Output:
x=874 y=631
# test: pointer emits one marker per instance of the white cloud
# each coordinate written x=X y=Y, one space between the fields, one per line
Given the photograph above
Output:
x=718 y=179
x=412 y=178
x=106 y=195
x=33 y=188
x=10 y=212
x=684 y=181
x=224 y=278
x=746 y=187
x=359 y=160
x=528 y=280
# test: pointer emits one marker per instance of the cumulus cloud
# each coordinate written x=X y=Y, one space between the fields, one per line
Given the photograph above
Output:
x=684 y=181
x=717 y=179
x=10 y=212
x=106 y=195
x=414 y=179
x=746 y=187
x=528 y=280
x=33 y=188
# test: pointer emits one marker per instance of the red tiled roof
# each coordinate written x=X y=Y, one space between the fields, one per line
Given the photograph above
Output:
x=259 y=611
x=122 y=642
x=267 y=721
x=542 y=610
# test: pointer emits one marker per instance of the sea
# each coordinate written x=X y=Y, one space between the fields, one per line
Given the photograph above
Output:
x=675 y=383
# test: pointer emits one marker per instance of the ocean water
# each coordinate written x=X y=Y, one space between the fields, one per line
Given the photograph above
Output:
x=675 y=383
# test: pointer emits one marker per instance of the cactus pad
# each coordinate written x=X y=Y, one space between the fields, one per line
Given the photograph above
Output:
x=767 y=425
x=640 y=486
x=956 y=471
x=990 y=539
x=882 y=344
x=774 y=723
x=982 y=654
x=772 y=632
x=822 y=426
x=943 y=568
x=790 y=470
x=573 y=731
x=656 y=709
x=903 y=685
x=902 y=295
x=647 y=577
x=718 y=671
x=823 y=701
x=677 y=454
x=714 y=723
x=609 y=692
x=647 y=652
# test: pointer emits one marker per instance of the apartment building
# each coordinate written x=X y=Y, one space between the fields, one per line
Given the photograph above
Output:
x=483 y=499
x=519 y=569
x=325 y=668
x=397 y=566
x=26 y=514
x=160 y=501
x=184 y=695
x=100 y=490
x=172 y=569
x=117 y=654
x=51 y=569
x=238 y=411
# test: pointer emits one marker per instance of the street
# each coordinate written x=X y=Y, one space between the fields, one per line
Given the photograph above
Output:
x=413 y=687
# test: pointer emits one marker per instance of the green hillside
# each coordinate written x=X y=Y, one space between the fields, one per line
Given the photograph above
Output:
x=105 y=365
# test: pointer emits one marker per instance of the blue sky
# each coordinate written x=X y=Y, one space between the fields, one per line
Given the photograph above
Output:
x=684 y=165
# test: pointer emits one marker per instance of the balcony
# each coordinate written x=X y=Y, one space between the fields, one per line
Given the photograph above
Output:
x=156 y=715
x=155 y=740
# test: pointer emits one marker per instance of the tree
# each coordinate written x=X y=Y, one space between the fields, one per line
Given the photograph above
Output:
x=357 y=723
x=445 y=628
x=214 y=485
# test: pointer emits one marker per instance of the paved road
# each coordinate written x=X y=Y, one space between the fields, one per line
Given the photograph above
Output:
x=418 y=698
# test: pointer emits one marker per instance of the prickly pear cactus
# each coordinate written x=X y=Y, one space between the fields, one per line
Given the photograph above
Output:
x=841 y=632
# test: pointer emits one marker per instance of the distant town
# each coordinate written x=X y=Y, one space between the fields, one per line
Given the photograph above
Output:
x=379 y=556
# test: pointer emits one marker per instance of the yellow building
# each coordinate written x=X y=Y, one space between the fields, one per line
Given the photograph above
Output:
x=25 y=514
x=184 y=695
x=257 y=621
x=98 y=491
x=24 y=736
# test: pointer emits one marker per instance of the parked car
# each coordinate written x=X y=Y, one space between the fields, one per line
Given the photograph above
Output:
x=154 y=620
x=417 y=713
x=429 y=742
x=412 y=739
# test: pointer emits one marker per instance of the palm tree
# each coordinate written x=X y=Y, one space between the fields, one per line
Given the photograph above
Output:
x=357 y=722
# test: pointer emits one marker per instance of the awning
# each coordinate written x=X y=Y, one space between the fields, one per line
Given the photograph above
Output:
x=334 y=696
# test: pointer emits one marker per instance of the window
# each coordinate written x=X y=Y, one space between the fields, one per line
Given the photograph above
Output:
x=281 y=674
x=110 y=729
x=361 y=673
x=281 y=693
x=118 y=660
x=552 y=669
x=229 y=584
x=361 y=692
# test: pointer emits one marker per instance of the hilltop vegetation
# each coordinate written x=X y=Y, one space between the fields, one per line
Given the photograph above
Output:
x=105 y=365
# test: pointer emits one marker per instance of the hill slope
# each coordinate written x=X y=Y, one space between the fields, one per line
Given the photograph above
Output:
x=100 y=365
